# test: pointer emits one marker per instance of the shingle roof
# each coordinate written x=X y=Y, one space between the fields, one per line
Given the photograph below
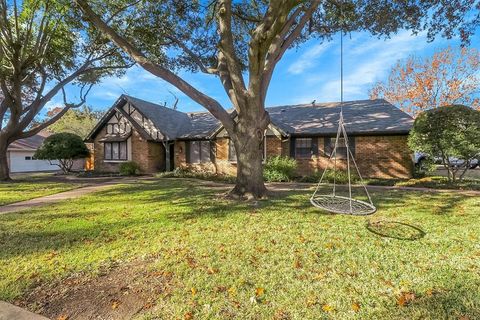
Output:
x=200 y=125
x=29 y=144
x=361 y=117
x=167 y=120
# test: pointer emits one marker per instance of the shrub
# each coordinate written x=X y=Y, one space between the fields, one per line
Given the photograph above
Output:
x=278 y=169
x=195 y=173
x=62 y=147
x=341 y=177
x=129 y=168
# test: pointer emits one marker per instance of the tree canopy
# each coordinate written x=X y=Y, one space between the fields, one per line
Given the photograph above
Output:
x=79 y=121
x=448 y=132
x=63 y=147
x=45 y=48
x=450 y=76
x=241 y=42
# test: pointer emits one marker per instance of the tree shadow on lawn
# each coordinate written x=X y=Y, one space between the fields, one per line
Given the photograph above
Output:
x=184 y=203
x=75 y=225
x=459 y=299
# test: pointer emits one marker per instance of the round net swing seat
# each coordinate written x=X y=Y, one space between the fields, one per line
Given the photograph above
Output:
x=343 y=205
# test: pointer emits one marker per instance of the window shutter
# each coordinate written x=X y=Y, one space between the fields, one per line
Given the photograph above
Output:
x=315 y=146
x=187 y=151
x=292 y=147
x=327 y=146
x=351 y=144
x=212 y=151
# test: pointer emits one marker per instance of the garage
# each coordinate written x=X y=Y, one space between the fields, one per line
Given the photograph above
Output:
x=24 y=161
x=20 y=155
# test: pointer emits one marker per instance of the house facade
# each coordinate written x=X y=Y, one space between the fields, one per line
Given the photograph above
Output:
x=161 y=139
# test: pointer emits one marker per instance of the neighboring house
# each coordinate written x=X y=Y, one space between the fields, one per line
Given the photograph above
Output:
x=20 y=155
x=159 y=139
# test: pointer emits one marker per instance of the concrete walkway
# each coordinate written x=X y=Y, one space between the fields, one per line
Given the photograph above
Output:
x=71 y=194
x=10 y=312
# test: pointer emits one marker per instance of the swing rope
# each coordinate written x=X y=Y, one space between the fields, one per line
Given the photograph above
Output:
x=333 y=202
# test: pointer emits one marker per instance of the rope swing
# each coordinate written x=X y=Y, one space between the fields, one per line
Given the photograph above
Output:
x=334 y=202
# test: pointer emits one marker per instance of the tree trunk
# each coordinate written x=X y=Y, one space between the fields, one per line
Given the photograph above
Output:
x=4 y=171
x=248 y=142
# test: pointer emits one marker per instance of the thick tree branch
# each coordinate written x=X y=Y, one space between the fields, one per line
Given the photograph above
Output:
x=44 y=125
x=227 y=48
x=283 y=42
x=207 y=102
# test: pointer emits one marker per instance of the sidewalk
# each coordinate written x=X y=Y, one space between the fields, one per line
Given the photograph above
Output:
x=10 y=312
x=71 y=194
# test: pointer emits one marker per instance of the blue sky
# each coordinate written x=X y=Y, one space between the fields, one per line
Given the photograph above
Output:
x=304 y=74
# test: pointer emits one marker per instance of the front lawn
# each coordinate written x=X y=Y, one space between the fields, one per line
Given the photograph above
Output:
x=192 y=255
x=32 y=186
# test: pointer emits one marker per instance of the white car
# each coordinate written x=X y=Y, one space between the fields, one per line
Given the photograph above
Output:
x=420 y=158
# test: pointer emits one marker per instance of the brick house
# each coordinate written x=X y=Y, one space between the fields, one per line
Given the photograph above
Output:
x=161 y=139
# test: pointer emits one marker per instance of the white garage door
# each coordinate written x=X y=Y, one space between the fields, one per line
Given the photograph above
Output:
x=23 y=161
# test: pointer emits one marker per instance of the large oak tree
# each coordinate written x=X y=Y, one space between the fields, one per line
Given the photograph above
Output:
x=46 y=50
x=241 y=42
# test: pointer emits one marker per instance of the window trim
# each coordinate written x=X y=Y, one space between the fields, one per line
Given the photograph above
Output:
x=329 y=145
x=111 y=152
x=304 y=156
x=201 y=155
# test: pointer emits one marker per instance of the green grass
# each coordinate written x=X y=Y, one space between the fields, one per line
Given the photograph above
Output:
x=30 y=187
x=311 y=265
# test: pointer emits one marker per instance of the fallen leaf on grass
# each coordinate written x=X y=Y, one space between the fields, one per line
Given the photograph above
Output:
x=188 y=316
x=328 y=308
x=405 y=298
x=115 y=304
x=259 y=291
x=194 y=291
x=62 y=317
x=356 y=306
x=211 y=270
x=329 y=246
x=311 y=301
x=232 y=291
x=297 y=264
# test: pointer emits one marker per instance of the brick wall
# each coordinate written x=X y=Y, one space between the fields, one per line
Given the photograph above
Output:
x=376 y=157
x=150 y=156
x=384 y=156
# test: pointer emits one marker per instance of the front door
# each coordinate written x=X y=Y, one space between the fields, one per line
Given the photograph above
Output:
x=172 y=157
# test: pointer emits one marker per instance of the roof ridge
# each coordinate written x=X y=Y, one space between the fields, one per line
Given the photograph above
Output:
x=153 y=103
x=325 y=104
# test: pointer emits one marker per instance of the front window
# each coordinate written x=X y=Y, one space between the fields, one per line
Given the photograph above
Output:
x=341 y=147
x=115 y=150
x=199 y=151
x=303 y=147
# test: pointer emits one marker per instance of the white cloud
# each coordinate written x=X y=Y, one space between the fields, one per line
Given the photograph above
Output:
x=309 y=58
x=370 y=62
